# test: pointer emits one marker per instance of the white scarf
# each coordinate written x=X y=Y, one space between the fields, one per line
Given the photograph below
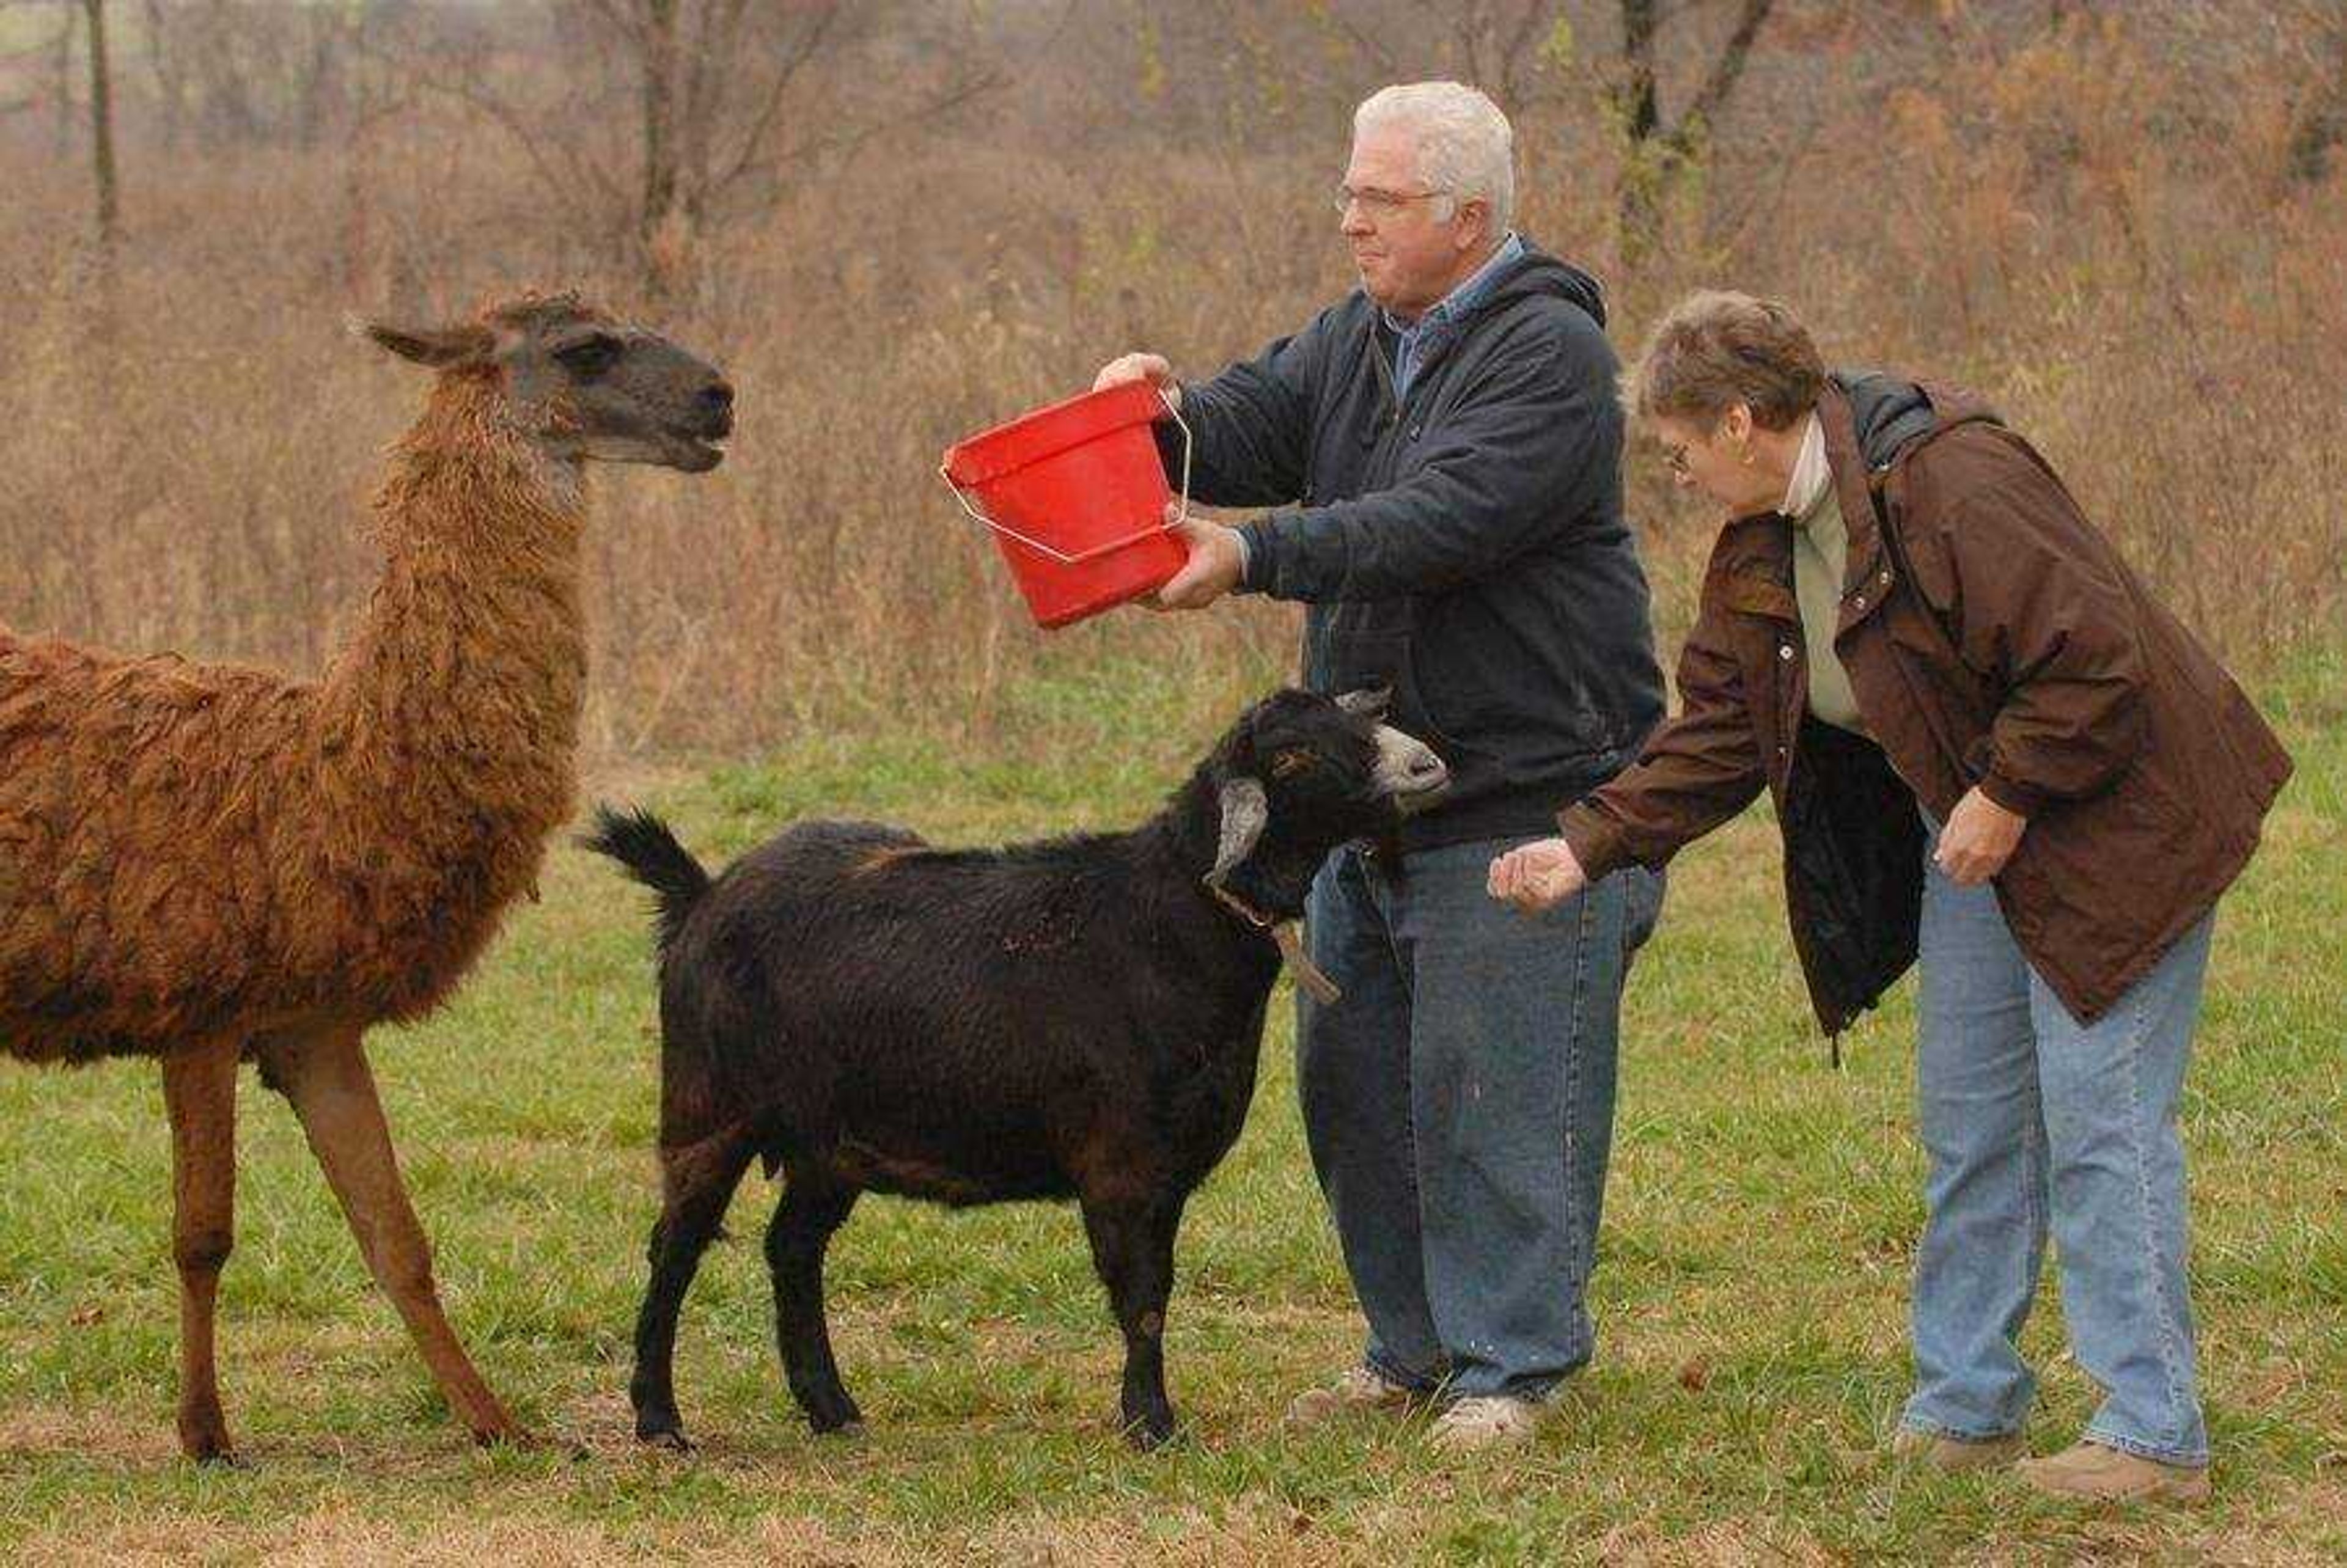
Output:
x=1811 y=473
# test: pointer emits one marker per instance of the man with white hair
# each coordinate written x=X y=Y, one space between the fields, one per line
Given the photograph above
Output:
x=1443 y=450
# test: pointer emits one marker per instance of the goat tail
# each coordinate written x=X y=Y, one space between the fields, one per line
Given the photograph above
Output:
x=642 y=844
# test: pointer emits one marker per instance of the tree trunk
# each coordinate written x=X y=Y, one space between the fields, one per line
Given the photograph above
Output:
x=661 y=149
x=2322 y=122
x=1654 y=153
x=1639 y=192
x=101 y=127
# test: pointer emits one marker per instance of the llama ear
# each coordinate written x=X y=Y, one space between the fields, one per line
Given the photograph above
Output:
x=1369 y=700
x=1246 y=813
x=439 y=347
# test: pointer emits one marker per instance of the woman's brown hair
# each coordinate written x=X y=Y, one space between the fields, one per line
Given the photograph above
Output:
x=1716 y=349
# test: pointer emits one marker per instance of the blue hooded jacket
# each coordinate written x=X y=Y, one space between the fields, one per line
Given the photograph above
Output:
x=1463 y=546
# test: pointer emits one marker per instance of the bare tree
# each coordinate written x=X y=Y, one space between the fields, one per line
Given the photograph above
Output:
x=1512 y=50
x=2321 y=123
x=721 y=97
x=101 y=127
x=1658 y=149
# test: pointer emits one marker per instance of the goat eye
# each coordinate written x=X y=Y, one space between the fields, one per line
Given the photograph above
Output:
x=589 y=356
x=1288 y=764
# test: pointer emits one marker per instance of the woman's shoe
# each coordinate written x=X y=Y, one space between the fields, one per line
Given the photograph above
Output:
x=2090 y=1471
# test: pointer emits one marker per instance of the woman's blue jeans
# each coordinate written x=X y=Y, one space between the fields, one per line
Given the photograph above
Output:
x=1458 y=1102
x=2035 y=1122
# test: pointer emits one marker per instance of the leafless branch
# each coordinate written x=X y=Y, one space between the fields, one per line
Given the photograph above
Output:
x=953 y=97
x=1725 y=70
x=804 y=48
x=558 y=181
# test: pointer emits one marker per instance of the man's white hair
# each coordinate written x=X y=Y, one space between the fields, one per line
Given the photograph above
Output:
x=1465 y=147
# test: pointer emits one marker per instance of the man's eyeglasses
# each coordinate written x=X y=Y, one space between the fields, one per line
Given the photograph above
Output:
x=1377 y=203
x=1675 y=458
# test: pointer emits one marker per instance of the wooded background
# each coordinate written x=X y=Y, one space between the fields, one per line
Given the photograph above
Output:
x=895 y=223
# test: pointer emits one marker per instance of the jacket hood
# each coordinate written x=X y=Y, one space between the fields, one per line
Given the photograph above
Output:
x=1889 y=412
x=1538 y=272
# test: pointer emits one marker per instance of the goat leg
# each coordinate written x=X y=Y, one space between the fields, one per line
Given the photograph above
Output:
x=200 y=1092
x=326 y=1078
x=813 y=1207
x=699 y=1180
x=1133 y=1248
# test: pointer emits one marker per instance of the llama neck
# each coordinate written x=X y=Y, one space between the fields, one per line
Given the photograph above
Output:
x=462 y=686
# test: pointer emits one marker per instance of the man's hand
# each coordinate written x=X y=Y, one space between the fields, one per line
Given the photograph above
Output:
x=1216 y=558
x=1979 y=837
x=1153 y=368
x=1537 y=876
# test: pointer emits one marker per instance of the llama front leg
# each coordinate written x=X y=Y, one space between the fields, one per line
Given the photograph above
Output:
x=333 y=1092
x=200 y=1092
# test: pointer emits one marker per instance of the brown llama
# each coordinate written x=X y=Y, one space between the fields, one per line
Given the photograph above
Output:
x=208 y=865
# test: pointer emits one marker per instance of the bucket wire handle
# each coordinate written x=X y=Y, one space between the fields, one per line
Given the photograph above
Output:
x=1180 y=516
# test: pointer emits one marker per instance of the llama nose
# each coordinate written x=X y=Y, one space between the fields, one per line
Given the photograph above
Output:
x=717 y=400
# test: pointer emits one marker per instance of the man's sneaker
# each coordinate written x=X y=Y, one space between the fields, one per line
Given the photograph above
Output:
x=1953 y=1454
x=1481 y=1422
x=1361 y=1388
x=2091 y=1472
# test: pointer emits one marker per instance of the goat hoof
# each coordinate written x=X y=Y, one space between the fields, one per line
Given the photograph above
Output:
x=1151 y=1432
x=670 y=1438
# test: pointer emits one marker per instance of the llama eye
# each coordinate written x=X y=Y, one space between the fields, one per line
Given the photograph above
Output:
x=1290 y=763
x=589 y=356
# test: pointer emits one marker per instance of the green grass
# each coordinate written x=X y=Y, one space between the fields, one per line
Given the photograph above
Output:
x=1751 y=1294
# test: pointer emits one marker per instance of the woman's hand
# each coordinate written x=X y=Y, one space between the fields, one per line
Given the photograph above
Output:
x=1537 y=876
x=1979 y=837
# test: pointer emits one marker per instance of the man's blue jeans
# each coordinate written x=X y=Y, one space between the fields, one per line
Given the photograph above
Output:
x=1458 y=1102
x=2032 y=1119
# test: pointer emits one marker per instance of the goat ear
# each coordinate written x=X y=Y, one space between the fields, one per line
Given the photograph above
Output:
x=1371 y=701
x=1246 y=813
x=439 y=347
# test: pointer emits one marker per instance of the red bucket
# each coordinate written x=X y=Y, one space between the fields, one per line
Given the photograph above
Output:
x=1075 y=497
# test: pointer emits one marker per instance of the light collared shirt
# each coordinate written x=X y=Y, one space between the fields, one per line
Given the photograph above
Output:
x=1810 y=473
x=1443 y=318
x=1821 y=559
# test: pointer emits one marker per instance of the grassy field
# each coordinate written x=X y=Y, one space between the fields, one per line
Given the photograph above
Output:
x=1751 y=1294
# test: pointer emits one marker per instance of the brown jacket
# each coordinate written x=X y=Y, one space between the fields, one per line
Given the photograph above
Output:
x=1993 y=637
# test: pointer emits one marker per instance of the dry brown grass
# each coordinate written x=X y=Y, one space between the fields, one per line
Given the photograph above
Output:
x=2098 y=226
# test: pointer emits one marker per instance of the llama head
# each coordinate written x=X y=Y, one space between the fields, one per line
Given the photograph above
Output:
x=582 y=383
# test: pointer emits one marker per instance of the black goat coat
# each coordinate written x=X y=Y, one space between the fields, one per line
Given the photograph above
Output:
x=1073 y=1018
x=1087 y=1013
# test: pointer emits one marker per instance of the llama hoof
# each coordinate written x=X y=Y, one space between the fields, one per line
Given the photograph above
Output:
x=519 y=1439
x=207 y=1443
x=214 y=1456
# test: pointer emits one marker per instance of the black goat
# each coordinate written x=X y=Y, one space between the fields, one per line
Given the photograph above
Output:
x=1078 y=1018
